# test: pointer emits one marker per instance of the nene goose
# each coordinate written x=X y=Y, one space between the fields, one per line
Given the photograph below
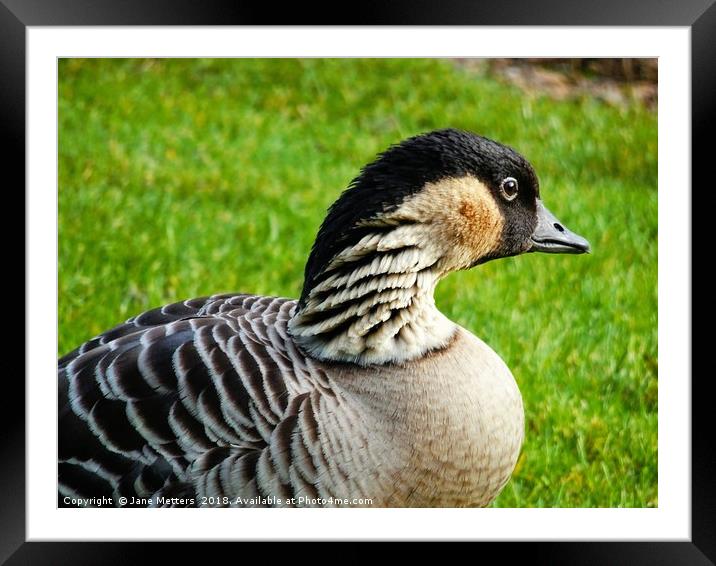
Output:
x=359 y=393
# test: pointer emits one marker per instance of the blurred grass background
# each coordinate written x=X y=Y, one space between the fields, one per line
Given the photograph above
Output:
x=187 y=177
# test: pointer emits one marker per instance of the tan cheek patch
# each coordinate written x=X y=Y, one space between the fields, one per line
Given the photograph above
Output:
x=480 y=224
x=462 y=214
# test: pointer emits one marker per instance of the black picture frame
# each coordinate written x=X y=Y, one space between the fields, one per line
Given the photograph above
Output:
x=17 y=15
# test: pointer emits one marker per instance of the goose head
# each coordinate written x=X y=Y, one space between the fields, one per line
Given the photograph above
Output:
x=435 y=203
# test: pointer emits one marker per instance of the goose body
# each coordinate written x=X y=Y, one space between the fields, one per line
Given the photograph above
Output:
x=360 y=393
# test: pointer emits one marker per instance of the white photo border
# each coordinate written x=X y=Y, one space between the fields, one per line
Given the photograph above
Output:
x=670 y=521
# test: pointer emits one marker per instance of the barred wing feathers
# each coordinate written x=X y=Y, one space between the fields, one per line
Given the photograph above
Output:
x=196 y=399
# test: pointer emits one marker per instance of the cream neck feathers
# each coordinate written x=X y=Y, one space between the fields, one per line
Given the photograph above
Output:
x=374 y=301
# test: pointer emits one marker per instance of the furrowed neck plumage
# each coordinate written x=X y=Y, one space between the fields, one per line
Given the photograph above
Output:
x=373 y=302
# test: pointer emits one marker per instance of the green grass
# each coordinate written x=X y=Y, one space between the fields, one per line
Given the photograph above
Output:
x=180 y=178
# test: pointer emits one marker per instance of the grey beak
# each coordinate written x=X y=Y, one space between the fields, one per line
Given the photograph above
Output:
x=552 y=237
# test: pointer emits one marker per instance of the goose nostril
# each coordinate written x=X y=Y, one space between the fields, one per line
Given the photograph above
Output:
x=559 y=227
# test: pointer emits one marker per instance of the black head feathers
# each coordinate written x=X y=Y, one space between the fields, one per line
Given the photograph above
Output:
x=400 y=172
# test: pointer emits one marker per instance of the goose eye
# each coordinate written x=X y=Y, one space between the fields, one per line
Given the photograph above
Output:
x=509 y=188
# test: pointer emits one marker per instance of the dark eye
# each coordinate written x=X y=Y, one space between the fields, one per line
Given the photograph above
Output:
x=509 y=188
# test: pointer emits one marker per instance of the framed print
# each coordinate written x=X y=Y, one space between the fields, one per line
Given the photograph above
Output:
x=194 y=152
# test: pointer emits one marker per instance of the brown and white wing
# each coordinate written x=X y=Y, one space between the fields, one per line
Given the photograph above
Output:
x=196 y=399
